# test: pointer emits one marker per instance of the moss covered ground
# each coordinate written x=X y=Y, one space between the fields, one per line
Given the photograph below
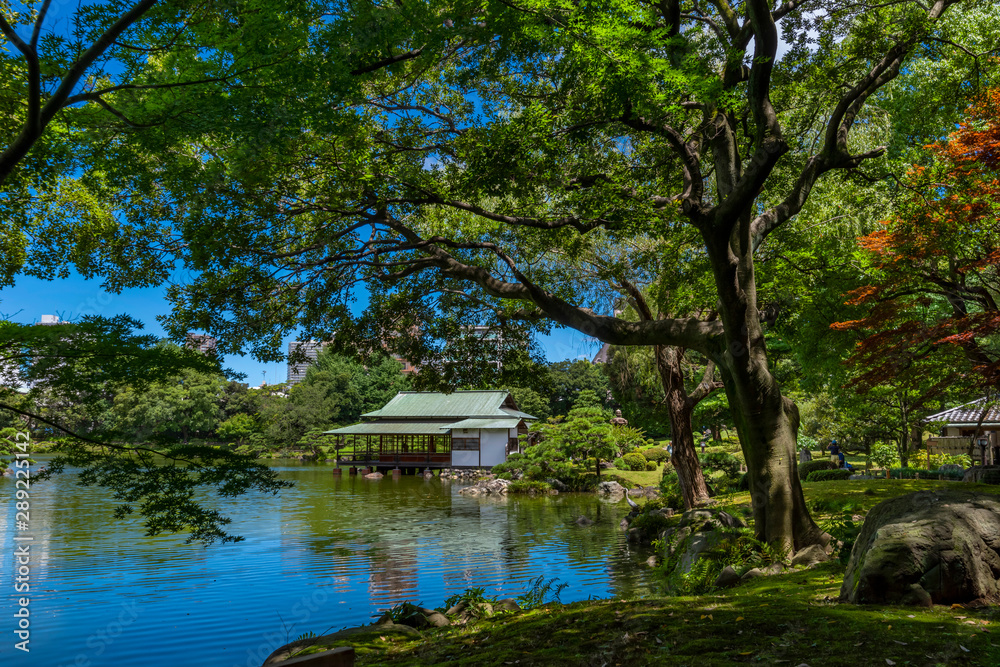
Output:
x=792 y=618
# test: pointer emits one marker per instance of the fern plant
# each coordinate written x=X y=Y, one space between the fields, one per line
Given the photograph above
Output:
x=539 y=593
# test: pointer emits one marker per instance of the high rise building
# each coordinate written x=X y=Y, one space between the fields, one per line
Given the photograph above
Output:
x=202 y=343
x=301 y=355
x=602 y=355
x=49 y=320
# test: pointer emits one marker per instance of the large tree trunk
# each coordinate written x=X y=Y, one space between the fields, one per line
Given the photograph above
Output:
x=685 y=459
x=679 y=407
x=766 y=421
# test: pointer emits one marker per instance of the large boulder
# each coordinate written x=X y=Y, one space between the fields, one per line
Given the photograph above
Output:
x=611 y=490
x=381 y=628
x=728 y=577
x=557 y=484
x=696 y=546
x=508 y=605
x=710 y=518
x=928 y=547
x=497 y=487
x=982 y=475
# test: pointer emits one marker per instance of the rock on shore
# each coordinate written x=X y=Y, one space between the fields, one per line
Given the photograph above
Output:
x=928 y=547
x=487 y=487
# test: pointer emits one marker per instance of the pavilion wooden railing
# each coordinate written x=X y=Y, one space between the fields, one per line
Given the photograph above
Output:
x=406 y=450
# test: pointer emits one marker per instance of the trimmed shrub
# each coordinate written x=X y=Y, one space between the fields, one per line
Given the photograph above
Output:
x=908 y=473
x=834 y=475
x=651 y=465
x=727 y=464
x=807 y=443
x=883 y=455
x=911 y=473
x=634 y=461
x=938 y=460
x=657 y=454
x=810 y=466
x=619 y=463
x=956 y=475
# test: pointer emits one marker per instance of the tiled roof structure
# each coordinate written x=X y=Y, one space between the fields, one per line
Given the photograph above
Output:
x=969 y=414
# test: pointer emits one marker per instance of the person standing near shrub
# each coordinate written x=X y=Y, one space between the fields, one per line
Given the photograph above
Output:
x=834 y=451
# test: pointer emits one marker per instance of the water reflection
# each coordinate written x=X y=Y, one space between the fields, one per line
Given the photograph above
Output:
x=364 y=545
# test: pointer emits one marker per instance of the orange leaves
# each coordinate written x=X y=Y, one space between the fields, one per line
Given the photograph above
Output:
x=878 y=242
x=978 y=139
x=861 y=295
x=934 y=288
x=849 y=325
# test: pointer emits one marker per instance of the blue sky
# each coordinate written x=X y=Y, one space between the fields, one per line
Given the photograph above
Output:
x=70 y=299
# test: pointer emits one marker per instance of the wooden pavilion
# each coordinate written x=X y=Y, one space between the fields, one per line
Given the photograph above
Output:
x=464 y=429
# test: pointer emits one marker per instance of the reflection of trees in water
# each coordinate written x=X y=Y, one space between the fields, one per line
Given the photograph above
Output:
x=382 y=533
x=546 y=522
x=392 y=573
x=70 y=522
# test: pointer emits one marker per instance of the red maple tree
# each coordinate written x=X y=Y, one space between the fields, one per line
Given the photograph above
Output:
x=935 y=267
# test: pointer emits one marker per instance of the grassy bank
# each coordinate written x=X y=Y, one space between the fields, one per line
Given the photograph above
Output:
x=639 y=477
x=786 y=619
x=789 y=619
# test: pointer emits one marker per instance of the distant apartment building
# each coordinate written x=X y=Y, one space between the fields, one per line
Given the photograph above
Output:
x=408 y=368
x=50 y=320
x=301 y=355
x=492 y=336
x=11 y=375
x=201 y=343
x=307 y=352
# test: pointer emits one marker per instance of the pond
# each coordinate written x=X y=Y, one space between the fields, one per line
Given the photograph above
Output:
x=324 y=555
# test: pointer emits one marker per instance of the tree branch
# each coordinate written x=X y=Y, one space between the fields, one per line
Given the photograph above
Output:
x=386 y=62
x=687 y=332
x=39 y=118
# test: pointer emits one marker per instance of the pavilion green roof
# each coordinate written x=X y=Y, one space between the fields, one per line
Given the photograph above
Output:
x=391 y=428
x=458 y=405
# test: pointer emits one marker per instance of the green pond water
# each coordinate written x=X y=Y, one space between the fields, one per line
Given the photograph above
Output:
x=324 y=555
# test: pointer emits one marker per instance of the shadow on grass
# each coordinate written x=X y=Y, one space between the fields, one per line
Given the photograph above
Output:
x=791 y=619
